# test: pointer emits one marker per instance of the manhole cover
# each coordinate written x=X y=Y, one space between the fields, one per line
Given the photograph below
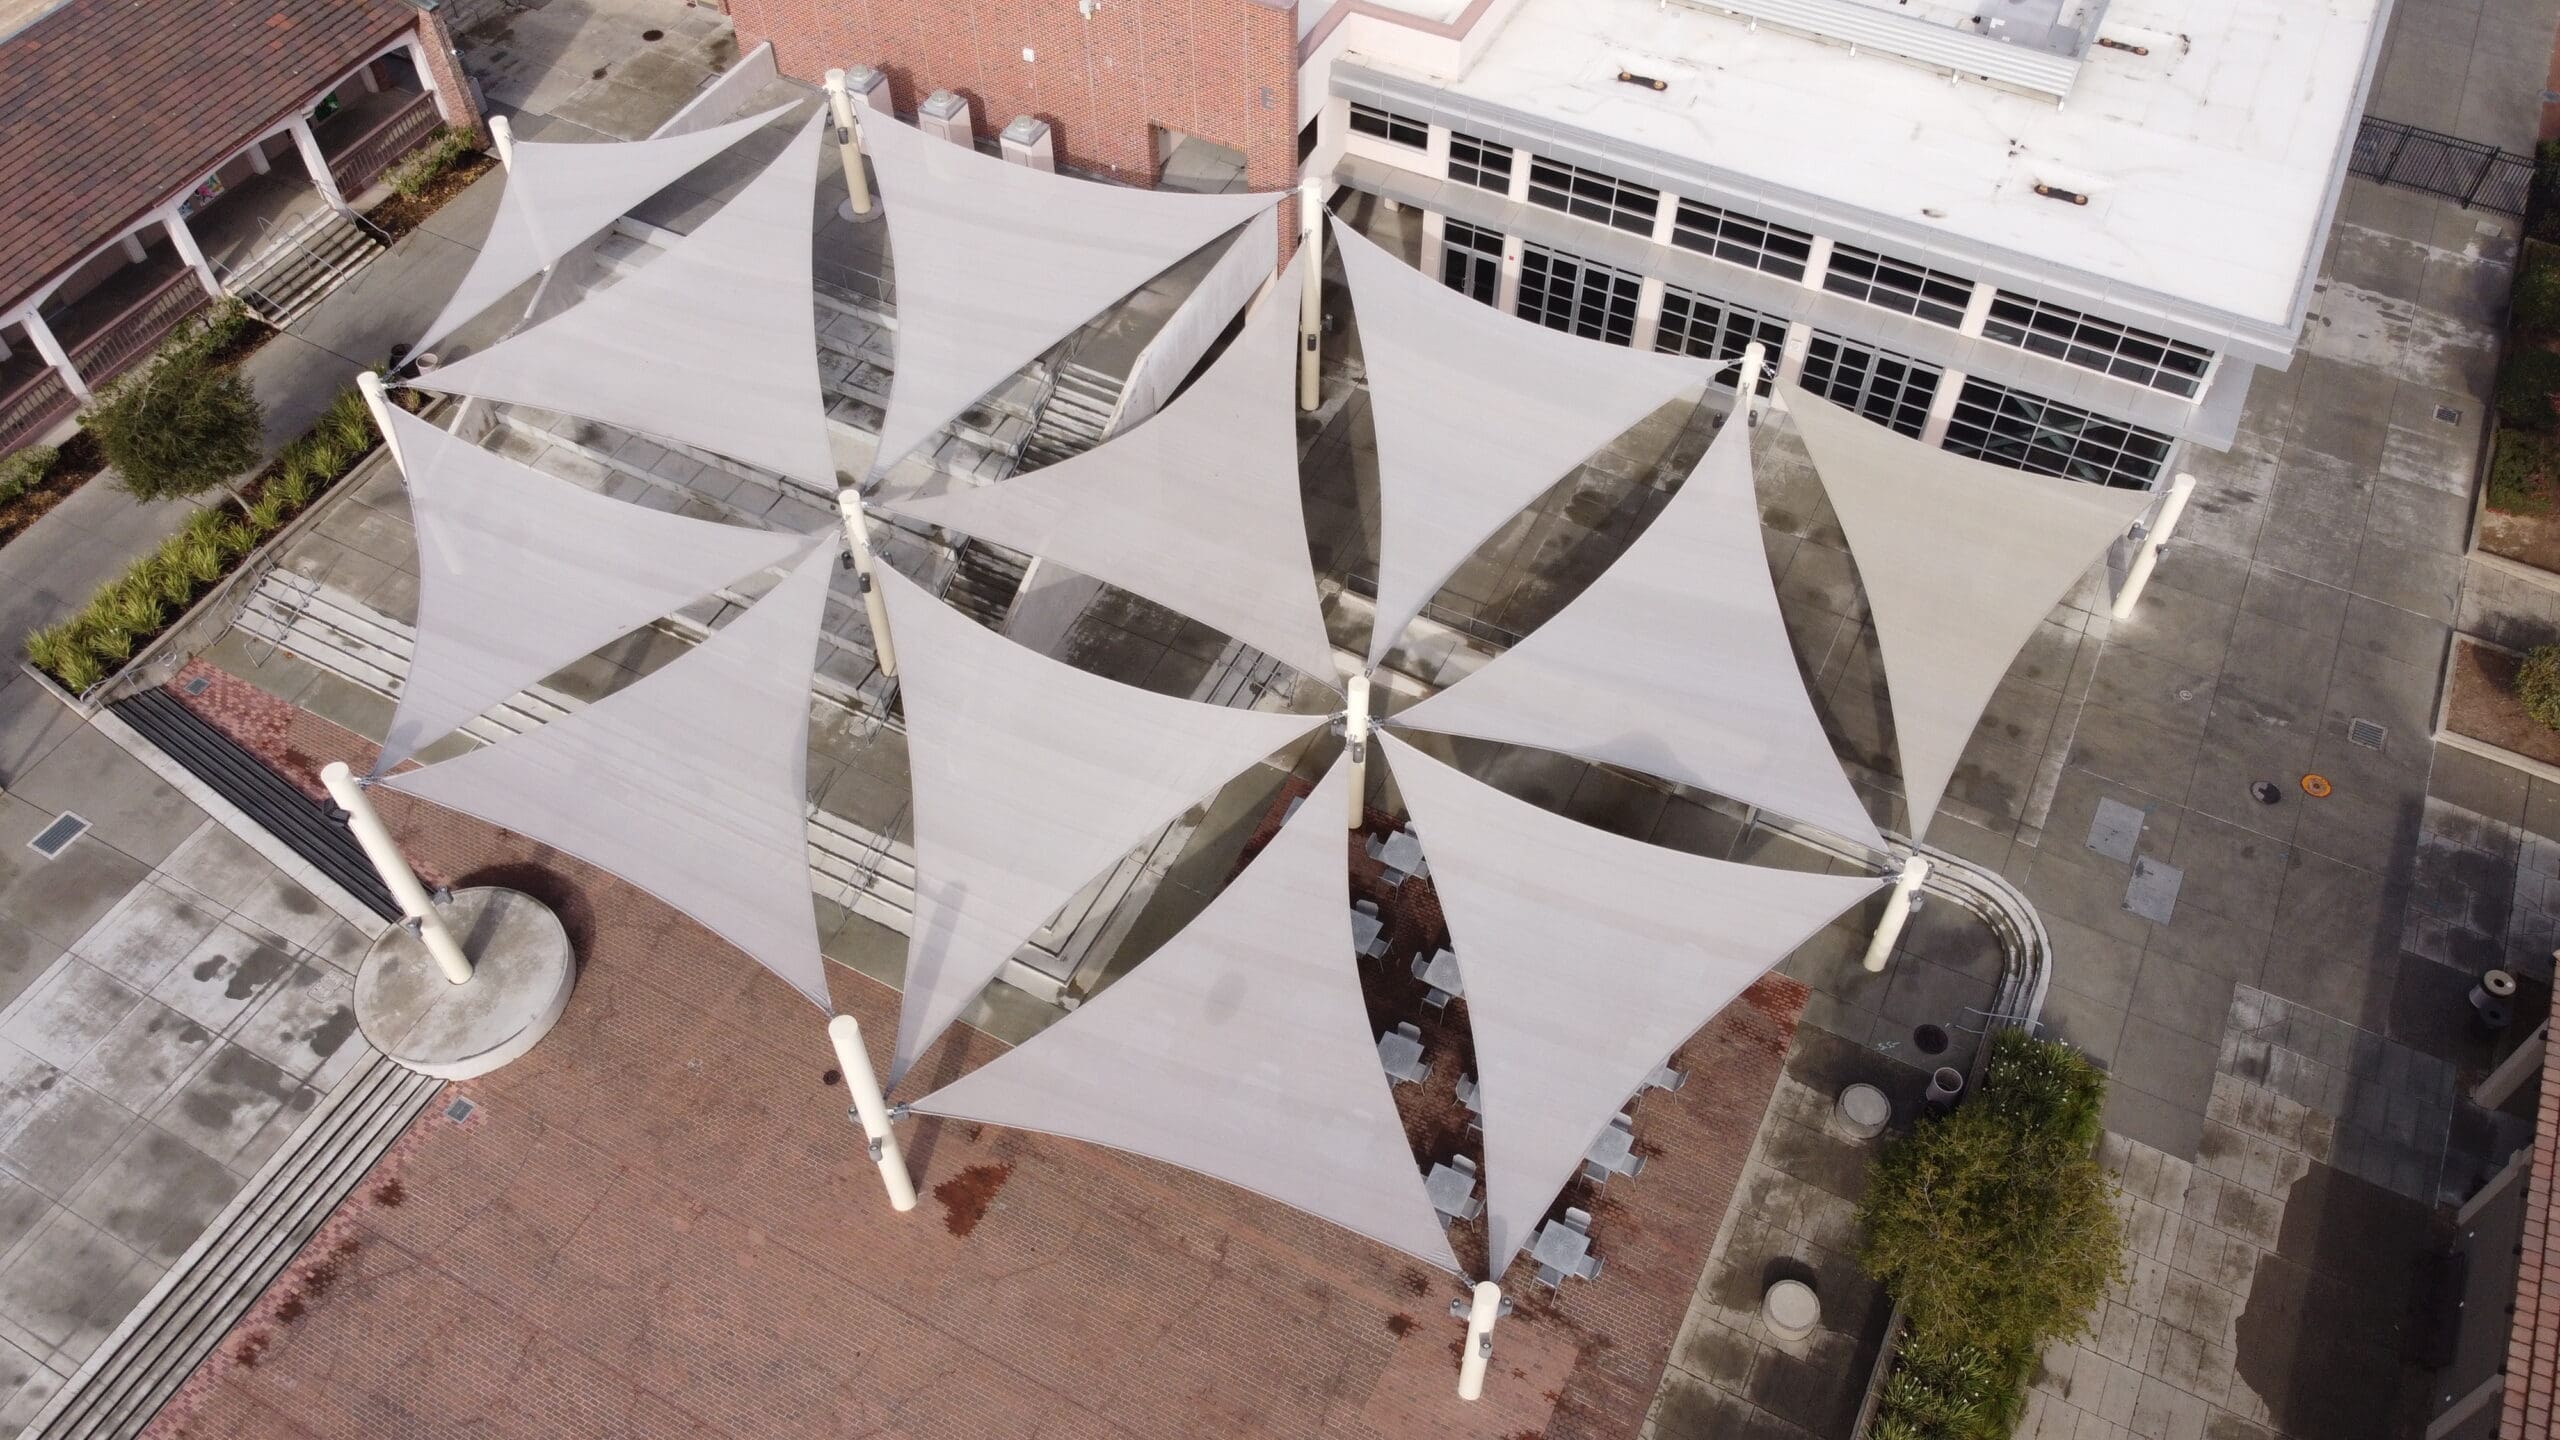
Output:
x=1929 y=1040
x=2367 y=733
x=653 y=36
x=2265 y=792
x=2317 y=786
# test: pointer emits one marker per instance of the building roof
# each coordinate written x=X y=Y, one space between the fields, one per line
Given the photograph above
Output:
x=2209 y=163
x=108 y=107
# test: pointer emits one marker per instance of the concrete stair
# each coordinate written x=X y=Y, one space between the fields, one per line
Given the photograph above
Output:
x=301 y=264
x=1075 y=416
x=985 y=579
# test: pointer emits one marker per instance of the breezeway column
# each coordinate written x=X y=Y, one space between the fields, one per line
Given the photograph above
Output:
x=416 y=908
x=1897 y=911
x=2154 y=541
x=857 y=540
x=1311 y=297
x=317 y=163
x=53 y=353
x=871 y=1110
x=184 y=241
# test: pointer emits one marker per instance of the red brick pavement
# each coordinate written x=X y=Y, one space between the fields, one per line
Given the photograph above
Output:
x=659 y=1224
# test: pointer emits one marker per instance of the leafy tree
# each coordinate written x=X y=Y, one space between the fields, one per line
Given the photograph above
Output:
x=181 y=425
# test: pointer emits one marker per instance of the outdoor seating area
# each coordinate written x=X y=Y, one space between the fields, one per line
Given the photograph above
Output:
x=1563 y=1250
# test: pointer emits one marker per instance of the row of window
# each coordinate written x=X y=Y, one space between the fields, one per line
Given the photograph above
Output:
x=1599 y=302
x=1937 y=296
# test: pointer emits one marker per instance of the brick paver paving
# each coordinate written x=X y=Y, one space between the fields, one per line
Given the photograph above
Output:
x=660 y=1224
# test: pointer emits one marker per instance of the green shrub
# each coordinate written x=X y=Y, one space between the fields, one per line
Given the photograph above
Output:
x=439 y=155
x=21 y=470
x=2524 y=470
x=2535 y=302
x=1951 y=1391
x=197 y=556
x=2526 y=384
x=63 y=652
x=2542 y=201
x=2538 y=684
x=179 y=426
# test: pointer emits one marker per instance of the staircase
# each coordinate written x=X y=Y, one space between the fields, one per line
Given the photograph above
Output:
x=302 y=263
x=1074 y=418
x=984 y=580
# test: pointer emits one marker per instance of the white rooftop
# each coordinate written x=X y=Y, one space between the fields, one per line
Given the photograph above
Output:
x=2207 y=162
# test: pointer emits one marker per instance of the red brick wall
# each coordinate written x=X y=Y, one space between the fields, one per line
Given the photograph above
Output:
x=454 y=92
x=1223 y=70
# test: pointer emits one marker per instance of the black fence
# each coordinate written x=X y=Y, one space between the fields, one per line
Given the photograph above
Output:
x=2479 y=176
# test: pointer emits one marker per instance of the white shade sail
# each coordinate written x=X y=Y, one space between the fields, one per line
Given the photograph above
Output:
x=688 y=782
x=998 y=262
x=1241 y=1050
x=558 y=196
x=1477 y=414
x=1674 y=662
x=1588 y=959
x=1030 y=777
x=520 y=573
x=1961 y=559
x=1196 y=509
x=712 y=343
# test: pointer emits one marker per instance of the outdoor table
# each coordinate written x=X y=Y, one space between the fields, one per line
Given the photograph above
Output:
x=1614 y=1152
x=1560 y=1248
x=1665 y=1078
x=1402 y=1055
x=1402 y=855
x=1467 y=1094
x=1442 y=973
x=1452 y=1191
x=1365 y=930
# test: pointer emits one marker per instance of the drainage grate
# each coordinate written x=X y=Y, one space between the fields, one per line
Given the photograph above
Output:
x=53 y=839
x=198 y=684
x=2366 y=733
x=460 y=1110
x=2448 y=415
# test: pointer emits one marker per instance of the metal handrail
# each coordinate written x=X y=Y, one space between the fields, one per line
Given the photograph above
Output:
x=106 y=351
x=354 y=169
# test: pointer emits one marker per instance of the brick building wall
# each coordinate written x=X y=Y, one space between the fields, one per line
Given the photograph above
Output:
x=444 y=67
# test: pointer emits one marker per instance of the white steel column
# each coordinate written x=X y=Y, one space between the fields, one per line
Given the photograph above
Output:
x=849 y=141
x=259 y=164
x=1311 y=298
x=857 y=540
x=53 y=353
x=1355 y=741
x=417 y=910
x=1650 y=294
x=2154 y=540
x=135 y=252
x=184 y=240
x=317 y=163
x=1506 y=291
x=502 y=140
x=1486 y=1308
x=1942 y=407
x=871 y=1110
x=1897 y=911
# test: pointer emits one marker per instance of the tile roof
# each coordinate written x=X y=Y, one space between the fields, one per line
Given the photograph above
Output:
x=109 y=106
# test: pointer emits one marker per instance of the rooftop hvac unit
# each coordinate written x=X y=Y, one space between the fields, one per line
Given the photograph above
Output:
x=1026 y=142
x=947 y=115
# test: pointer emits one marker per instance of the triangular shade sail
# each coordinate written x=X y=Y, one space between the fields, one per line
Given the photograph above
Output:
x=520 y=573
x=1477 y=414
x=1197 y=509
x=1030 y=777
x=998 y=262
x=688 y=783
x=1588 y=959
x=558 y=196
x=1241 y=1050
x=713 y=343
x=1674 y=662
x=1961 y=560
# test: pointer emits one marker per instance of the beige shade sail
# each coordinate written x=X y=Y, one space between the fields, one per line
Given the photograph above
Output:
x=1030 y=778
x=1961 y=559
x=1241 y=1049
x=997 y=262
x=1588 y=960
x=1196 y=509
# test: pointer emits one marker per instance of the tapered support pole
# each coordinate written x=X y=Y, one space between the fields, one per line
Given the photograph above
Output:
x=1746 y=381
x=502 y=140
x=1897 y=911
x=416 y=908
x=871 y=1110
x=1479 y=1348
x=1355 y=740
x=2154 y=541
x=1311 y=297
x=857 y=540
x=849 y=141
x=378 y=402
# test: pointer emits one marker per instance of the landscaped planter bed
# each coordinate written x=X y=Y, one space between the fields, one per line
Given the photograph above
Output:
x=2481 y=703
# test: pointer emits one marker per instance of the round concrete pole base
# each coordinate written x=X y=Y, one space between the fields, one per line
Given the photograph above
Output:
x=521 y=973
x=844 y=211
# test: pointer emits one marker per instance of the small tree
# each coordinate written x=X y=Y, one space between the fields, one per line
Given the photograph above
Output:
x=181 y=425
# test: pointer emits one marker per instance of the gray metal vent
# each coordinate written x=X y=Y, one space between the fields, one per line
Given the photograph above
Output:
x=2448 y=415
x=460 y=1110
x=53 y=839
x=198 y=684
x=2366 y=733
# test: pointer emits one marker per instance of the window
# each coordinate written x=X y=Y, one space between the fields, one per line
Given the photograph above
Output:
x=1693 y=324
x=2100 y=345
x=1389 y=126
x=1568 y=293
x=1307 y=138
x=1481 y=163
x=1471 y=261
x=1741 y=239
x=1897 y=285
x=2016 y=429
x=1889 y=389
x=1593 y=196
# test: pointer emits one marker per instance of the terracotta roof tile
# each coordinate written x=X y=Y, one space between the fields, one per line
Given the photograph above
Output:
x=107 y=107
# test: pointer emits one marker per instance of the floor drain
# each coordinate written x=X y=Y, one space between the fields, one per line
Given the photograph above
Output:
x=831 y=1077
x=460 y=1110
x=1929 y=1040
x=2448 y=415
x=2366 y=733
x=198 y=684
x=653 y=36
x=54 y=838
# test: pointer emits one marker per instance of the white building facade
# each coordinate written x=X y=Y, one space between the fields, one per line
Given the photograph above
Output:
x=2056 y=234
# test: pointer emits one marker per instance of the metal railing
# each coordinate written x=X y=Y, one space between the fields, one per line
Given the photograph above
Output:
x=2475 y=175
x=33 y=407
x=391 y=137
x=140 y=325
